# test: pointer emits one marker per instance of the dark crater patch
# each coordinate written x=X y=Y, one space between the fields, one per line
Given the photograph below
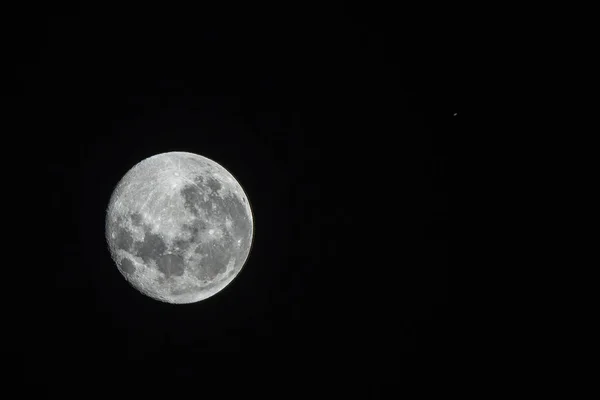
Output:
x=213 y=184
x=199 y=180
x=127 y=266
x=193 y=197
x=235 y=209
x=181 y=245
x=123 y=238
x=152 y=246
x=231 y=205
x=170 y=265
x=197 y=226
x=215 y=256
x=136 y=219
x=194 y=228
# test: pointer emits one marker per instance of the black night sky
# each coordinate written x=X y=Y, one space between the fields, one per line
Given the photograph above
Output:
x=328 y=119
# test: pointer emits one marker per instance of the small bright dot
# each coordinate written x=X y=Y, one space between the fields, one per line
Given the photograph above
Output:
x=455 y=114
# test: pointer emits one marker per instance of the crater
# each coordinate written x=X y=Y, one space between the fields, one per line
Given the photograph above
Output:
x=198 y=179
x=127 y=266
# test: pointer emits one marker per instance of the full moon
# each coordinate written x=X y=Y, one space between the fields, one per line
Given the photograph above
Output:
x=179 y=227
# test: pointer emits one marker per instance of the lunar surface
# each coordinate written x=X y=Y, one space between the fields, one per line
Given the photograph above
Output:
x=179 y=227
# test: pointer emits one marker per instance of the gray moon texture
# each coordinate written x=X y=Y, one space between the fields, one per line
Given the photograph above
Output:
x=179 y=227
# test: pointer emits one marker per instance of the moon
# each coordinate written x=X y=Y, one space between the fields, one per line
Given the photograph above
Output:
x=179 y=227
